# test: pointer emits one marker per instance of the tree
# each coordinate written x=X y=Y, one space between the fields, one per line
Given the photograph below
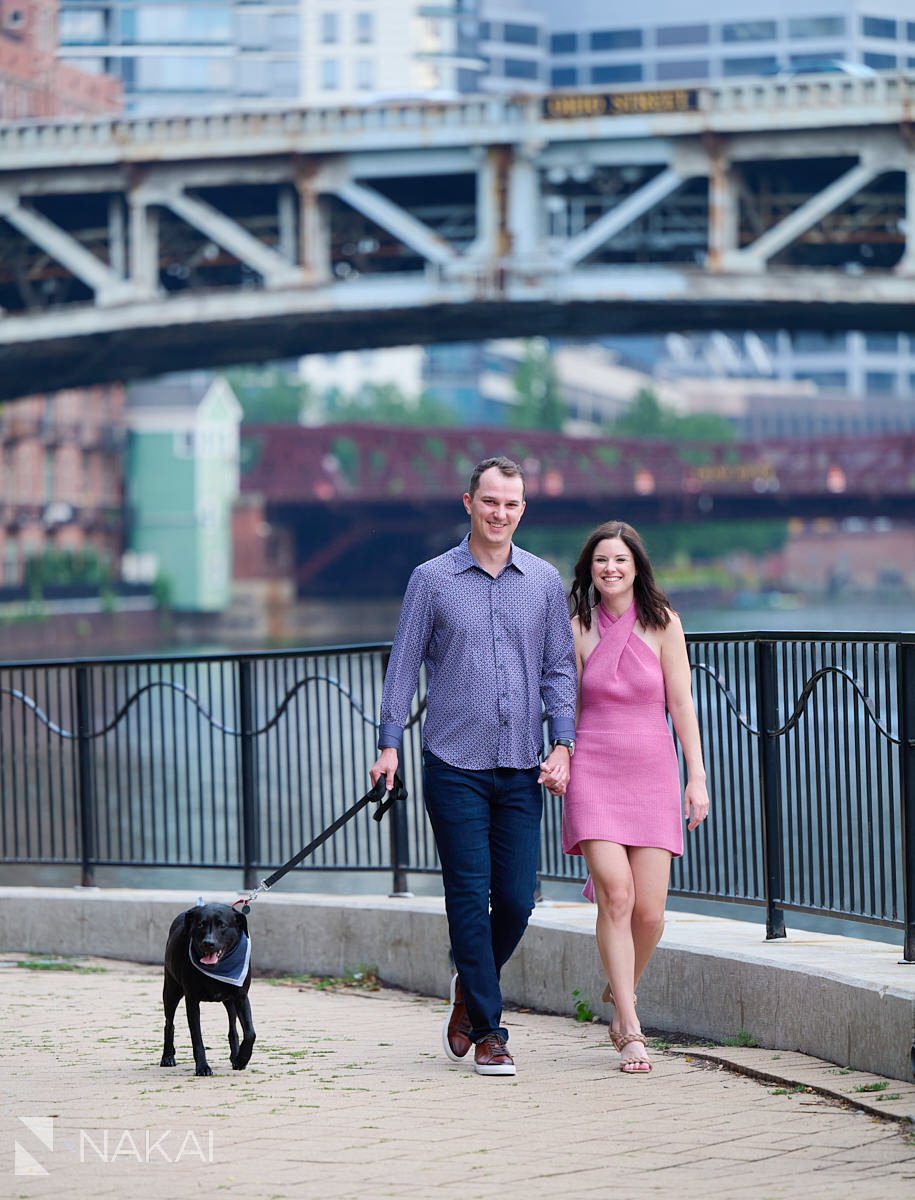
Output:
x=270 y=397
x=540 y=404
x=647 y=417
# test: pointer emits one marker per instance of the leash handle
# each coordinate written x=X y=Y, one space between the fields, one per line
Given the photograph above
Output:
x=377 y=794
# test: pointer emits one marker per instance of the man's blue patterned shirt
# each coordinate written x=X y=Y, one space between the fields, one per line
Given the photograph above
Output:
x=495 y=650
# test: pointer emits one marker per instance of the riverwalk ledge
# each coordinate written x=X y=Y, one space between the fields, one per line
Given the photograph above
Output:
x=846 y=1000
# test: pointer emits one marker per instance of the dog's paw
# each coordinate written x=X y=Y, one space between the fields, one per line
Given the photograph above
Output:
x=168 y=1060
x=206 y=1069
x=239 y=1064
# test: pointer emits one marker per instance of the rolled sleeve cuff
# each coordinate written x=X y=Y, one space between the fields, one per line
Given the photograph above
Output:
x=561 y=727
x=390 y=736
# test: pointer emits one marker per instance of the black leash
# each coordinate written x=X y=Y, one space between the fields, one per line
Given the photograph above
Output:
x=378 y=795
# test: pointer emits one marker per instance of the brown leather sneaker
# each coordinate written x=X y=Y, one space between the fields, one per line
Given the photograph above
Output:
x=491 y=1057
x=456 y=1029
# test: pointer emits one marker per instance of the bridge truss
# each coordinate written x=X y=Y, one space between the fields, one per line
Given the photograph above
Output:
x=133 y=246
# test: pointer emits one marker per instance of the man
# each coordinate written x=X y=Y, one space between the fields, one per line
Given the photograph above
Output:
x=490 y=623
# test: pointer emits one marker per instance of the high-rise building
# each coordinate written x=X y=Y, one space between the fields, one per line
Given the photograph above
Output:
x=212 y=54
x=593 y=43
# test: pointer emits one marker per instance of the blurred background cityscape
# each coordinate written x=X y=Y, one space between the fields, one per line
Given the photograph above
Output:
x=204 y=507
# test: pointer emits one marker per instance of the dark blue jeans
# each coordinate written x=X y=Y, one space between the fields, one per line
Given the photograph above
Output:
x=487 y=830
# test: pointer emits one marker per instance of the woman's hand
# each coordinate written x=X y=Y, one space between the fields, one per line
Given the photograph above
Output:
x=695 y=803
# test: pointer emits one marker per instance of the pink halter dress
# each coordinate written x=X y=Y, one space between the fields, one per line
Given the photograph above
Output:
x=625 y=779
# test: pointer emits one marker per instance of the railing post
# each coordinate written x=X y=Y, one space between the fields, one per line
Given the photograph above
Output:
x=767 y=718
x=905 y=668
x=249 y=814
x=85 y=776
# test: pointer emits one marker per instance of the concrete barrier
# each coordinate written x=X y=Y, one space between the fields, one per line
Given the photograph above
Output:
x=847 y=1000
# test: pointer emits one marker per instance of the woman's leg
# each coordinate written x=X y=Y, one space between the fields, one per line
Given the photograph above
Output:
x=650 y=869
x=614 y=891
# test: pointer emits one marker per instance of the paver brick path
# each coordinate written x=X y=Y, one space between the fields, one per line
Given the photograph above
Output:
x=349 y=1096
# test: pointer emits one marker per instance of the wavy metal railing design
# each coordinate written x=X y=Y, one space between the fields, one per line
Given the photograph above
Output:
x=188 y=695
x=801 y=703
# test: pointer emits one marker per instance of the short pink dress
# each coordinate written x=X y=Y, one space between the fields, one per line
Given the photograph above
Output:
x=625 y=779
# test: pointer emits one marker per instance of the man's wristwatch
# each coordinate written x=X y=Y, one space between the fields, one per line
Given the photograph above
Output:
x=569 y=744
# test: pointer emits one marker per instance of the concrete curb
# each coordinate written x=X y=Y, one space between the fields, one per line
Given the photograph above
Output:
x=813 y=1075
x=843 y=1000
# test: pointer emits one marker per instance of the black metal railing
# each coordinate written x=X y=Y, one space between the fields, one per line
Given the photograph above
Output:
x=235 y=761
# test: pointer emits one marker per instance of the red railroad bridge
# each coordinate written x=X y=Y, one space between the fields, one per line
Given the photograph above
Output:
x=390 y=496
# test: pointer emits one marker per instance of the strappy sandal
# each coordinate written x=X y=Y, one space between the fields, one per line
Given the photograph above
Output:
x=632 y=1066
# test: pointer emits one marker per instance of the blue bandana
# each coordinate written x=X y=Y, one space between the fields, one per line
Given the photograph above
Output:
x=231 y=968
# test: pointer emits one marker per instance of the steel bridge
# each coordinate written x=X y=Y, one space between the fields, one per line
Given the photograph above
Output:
x=134 y=246
x=391 y=497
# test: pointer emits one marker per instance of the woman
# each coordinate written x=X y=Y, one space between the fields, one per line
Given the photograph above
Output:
x=622 y=806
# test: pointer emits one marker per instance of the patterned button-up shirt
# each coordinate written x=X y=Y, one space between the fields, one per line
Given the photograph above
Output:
x=495 y=649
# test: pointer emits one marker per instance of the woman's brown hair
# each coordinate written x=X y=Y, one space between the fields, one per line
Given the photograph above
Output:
x=651 y=605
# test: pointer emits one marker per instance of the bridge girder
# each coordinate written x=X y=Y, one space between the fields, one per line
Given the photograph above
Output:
x=133 y=246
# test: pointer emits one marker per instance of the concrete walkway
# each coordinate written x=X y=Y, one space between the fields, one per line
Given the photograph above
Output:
x=349 y=1096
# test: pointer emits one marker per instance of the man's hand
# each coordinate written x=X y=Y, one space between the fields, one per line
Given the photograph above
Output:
x=554 y=772
x=386 y=765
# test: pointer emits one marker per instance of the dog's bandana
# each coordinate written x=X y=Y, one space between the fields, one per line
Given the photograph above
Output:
x=232 y=968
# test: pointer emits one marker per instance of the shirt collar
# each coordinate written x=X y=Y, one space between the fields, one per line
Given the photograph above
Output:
x=463 y=560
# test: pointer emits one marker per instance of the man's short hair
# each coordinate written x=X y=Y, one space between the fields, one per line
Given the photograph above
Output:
x=508 y=468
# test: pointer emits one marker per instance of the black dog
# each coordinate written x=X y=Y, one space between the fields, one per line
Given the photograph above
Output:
x=208 y=958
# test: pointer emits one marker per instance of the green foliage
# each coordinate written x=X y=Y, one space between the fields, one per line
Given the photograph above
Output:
x=879 y=1086
x=163 y=591
x=270 y=397
x=582 y=1008
x=386 y=404
x=647 y=417
x=540 y=404
x=742 y=1038
x=66 y=568
x=707 y=540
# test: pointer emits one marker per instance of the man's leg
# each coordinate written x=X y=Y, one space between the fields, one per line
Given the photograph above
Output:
x=515 y=845
x=458 y=804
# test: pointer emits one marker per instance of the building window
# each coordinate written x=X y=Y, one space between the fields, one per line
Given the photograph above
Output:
x=563 y=77
x=365 y=74
x=687 y=68
x=882 y=343
x=329 y=74
x=880 y=381
x=567 y=43
x=829 y=381
x=816 y=27
x=762 y=64
x=748 y=31
x=880 y=62
x=521 y=35
x=172 y=23
x=814 y=62
x=878 y=27
x=329 y=28
x=682 y=35
x=251 y=76
x=910 y=30
x=617 y=73
x=81 y=27
x=365 y=28
x=615 y=39
x=521 y=68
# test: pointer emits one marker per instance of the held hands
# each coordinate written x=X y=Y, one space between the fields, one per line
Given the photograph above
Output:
x=554 y=772
x=695 y=803
x=386 y=765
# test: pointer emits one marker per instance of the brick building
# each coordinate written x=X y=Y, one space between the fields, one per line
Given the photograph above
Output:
x=32 y=82
x=60 y=455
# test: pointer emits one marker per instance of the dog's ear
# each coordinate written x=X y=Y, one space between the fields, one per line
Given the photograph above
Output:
x=190 y=918
x=241 y=920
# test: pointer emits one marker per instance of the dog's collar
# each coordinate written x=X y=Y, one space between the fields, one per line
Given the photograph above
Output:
x=232 y=968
